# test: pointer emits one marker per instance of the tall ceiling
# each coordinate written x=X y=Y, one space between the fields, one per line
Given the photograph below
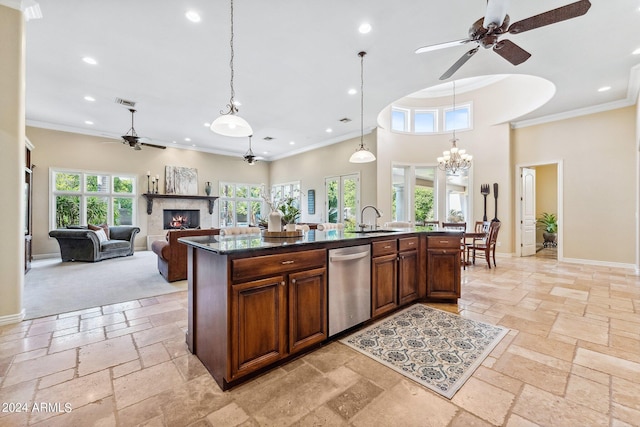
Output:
x=295 y=61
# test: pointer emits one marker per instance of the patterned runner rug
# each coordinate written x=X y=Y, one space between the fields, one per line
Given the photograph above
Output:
x=437 y=349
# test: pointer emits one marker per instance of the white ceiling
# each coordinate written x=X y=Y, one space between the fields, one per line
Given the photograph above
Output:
x=294 y=62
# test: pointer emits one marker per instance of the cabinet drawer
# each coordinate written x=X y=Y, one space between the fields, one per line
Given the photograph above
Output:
x=384 y=247
x=274 y=264
x=443 y=242
x=408 y=244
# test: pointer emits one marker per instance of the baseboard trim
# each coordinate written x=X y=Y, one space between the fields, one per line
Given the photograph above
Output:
x=601 y=263
x=12 y=318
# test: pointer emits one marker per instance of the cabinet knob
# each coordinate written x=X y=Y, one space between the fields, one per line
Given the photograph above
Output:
x=282 y=283
x=293 y=281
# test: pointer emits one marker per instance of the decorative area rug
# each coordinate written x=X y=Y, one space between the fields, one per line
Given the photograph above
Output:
x=437 y=349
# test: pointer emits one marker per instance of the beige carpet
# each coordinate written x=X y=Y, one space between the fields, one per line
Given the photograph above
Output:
x=54 y=287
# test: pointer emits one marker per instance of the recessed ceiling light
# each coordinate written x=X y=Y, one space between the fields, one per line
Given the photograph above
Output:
x=604 y=88
x=636 y=52
x=265 y=152
x=329 y=130
x=193 y=145
x=89 y=98
x=207 y=125
x=193 y=16
x=292 y=142
x=174 y=142
x=352 y=92
x=364 y=28
x=90 y=60
x=88 y=122
x=187 y=139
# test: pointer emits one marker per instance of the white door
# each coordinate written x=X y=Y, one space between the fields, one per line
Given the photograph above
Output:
x=528 y=209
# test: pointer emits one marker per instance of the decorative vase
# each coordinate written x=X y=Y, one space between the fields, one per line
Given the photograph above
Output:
x=207 y=188
x=290 y=227
x=275 y=221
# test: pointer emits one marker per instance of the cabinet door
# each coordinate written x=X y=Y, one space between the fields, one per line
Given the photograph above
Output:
x=384 y=284
x=407 y=277
x=443 y=273
x=259 y=322
x=307 y=308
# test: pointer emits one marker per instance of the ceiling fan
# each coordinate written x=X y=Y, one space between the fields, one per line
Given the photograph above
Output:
x=135 y=141
x=486 y=31
x=249 y=157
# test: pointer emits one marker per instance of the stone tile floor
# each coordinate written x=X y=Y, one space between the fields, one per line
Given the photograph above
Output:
x=572 y=358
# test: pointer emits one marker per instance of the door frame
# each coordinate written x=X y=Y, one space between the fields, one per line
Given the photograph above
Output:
x=518 y=204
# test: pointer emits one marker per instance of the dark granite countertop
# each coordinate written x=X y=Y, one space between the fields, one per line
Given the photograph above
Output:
x=247 y=243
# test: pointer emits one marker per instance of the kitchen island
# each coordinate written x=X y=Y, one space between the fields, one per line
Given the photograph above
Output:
x=256 y=302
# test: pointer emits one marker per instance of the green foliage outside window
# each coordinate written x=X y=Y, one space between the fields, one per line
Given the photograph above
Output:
x=423 y=204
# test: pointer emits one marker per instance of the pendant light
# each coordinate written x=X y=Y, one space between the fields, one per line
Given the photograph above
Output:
x=362 y=155
x=229 y=123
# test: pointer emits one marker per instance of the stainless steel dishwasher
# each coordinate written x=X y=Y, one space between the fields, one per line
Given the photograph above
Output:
x=349 y=287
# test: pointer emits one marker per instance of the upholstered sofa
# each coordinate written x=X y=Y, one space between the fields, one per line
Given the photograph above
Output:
x=172 y=255
x=79 y=243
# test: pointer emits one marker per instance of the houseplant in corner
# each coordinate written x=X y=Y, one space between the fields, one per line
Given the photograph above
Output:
x=548 y=223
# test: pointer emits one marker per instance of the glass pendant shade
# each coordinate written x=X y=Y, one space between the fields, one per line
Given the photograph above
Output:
x=362 y=155
x=231 y=125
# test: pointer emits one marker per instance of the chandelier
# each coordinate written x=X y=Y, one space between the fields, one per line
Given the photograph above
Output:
x=454 y=159
x=229 y=123
x=362 y=155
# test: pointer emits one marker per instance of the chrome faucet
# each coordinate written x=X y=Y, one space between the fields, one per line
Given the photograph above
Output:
x=375 y=223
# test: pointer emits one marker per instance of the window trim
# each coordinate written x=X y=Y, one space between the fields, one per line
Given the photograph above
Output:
x=83 y=193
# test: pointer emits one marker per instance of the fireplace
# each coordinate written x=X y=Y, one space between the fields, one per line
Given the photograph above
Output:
x=180 y=218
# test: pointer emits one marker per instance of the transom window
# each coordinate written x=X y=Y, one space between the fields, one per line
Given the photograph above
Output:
x=431 y=120
x=84 y=197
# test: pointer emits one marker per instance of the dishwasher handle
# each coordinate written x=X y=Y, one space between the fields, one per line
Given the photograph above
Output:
x=348 y=257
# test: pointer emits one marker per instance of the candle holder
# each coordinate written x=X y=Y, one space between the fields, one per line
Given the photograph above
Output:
x=148 y=190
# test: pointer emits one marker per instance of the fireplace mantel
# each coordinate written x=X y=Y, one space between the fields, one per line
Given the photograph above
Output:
x=151 y=196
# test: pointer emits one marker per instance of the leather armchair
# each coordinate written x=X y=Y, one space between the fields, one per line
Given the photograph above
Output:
x=172 y=255
x=83 y=244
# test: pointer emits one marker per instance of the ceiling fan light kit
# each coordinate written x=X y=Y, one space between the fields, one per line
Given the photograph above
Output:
x=229 y=123
x=486 y=31
x=362 y=155
x=249 y=157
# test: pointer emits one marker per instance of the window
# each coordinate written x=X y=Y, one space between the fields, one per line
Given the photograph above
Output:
x=82 y=197
x=457 y=198
x=425 y=121
x=429 y=121
x=343 y=200
x=457 y=119
x=400 y=119
x=413 y=195
x=240 y=204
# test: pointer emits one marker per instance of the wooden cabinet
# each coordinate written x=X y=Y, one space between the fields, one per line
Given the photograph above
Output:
x=443 y=267
x=395 y=274
x=276 y=316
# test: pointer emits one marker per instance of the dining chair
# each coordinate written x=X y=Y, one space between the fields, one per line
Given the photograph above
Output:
x=434 y=225
x=303 y=227
x=488 y=247
x=397 y=224
x=459 y=226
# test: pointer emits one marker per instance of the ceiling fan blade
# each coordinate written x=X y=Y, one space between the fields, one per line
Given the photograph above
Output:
x=563 y=13
x=459 y=63
x=496 y=11
x=511 y=52
x=146 y=144
x=442 y=45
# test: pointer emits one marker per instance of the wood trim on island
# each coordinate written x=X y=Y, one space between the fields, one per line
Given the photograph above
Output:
x=151 y=196
x=251 y=310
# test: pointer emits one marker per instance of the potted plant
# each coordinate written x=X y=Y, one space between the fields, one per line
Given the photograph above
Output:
x=290 y=212
x=548 y=223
